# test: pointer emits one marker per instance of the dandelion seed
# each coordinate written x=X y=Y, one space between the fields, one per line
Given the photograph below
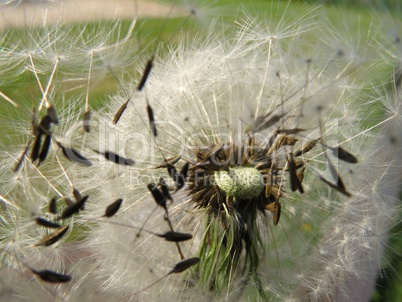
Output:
x=51 y=276
x=53 y=237
x=46 y=223
x=146 y=73
x=120 y=112
x=52 y=206
x=113 y=208
x=74 y=208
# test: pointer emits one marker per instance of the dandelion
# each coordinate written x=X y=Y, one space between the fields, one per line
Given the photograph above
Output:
x=242 y=168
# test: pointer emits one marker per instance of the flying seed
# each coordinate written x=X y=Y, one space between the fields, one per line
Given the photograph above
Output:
x=295 y=183
x=146 y=73
x=74 y=155
x=344 y=155
x=113 y=208
x=52 y=207
x=86 y=120
x=117 y=159
x=45 y=149
x=47 y=223
x=151 y=120
x=185 y=264
x=120 y=112
x=51 y=112
x=49 y=239
x=74 y=208
x=175 y=236
x=22 y=157
x=51 y=276
x=157 y=195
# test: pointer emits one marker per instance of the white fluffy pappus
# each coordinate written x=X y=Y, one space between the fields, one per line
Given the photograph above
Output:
x=221 y=103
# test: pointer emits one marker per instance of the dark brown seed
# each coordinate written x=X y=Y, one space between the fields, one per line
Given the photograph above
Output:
x=46 y=223
x=50 y=276
x=113 y=208
x=68 y=202
x=86 y=121
x=49 y=239
x=151 y=120
x=77 y=195
x=73 y=209
x=165 y=189
x=175 y=236
x=344 y=155
x=52 y=207
x=45 y=149
x=117 y=159
x=44 y=126
x=74 y=155
x=295 y=183
x=185 y=264
x=146 y=73
x=120 y=112
x=22 y=157
x=51 y=112
x=36 y=147
x=159 y=197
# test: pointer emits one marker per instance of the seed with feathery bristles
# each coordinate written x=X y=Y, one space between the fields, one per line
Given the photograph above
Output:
x=46 y=223
x=185 y=264
x=73 y=209
x=51 y=276
x=120 y=112
x=175 y=236
x=52 y=206
x=49 y=239
x=113 y=208
x=45 y=149
x=157 y=194
x=151 y=120
x=146 y=73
